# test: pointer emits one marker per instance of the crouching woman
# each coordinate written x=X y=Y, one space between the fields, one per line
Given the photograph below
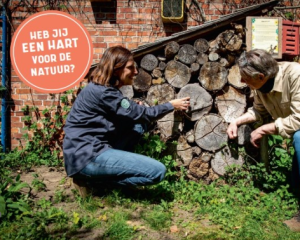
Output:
x=103 y=126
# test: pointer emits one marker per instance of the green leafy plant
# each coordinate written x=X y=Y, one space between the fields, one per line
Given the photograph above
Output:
x=45 y=132
x=12 y=202
x=38 y=184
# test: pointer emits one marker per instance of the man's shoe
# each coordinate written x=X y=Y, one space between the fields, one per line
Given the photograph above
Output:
x=294 y=223
x=81 y=187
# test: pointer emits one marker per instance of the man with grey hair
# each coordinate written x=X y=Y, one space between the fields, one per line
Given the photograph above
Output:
x=276 y=88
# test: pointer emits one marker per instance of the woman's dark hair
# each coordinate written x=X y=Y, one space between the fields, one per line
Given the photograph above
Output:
x=113 y=59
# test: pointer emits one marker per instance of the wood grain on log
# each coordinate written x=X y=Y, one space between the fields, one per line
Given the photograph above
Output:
x=170 y=125
x=213 y=56
x=177 y=74
x=162 y=66
x=224 y=158
x=142 y=81
x=234 y=77
x=206 y=156
x=149 y=62
x=195 y=67
x=231 y=104
x=190 y=136
x=200 y=100
x=210 y=132
x=159 y=94
x=234 y=44
x=184 y=152
x=171 y=49
x=202 y=58
x=213 y=76
x=156 y=73
x=187 y=54
x=201 y=45
x=224 y=62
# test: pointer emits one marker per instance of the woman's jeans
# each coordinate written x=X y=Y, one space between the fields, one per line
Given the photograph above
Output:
x=296 y=163
x=121 y=167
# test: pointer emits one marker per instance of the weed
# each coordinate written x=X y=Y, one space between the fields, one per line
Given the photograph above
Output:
x=157 y=218
x=38 y=184
x=118 y=228
x=60 y=196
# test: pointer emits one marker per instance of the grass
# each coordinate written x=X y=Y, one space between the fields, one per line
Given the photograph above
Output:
x=248 y=203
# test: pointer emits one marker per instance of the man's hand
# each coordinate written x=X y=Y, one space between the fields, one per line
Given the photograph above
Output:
x=232 y=130
x=255 y=137
x=257 y=134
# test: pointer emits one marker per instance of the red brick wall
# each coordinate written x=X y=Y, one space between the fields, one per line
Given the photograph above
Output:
x=129 y=23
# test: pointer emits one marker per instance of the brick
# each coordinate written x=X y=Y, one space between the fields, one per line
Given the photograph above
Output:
x=22 y=91
x=41 y=97
x=120 y=16
x=15 y=96
x=31 y=103
x=132 y=45
x=127 y=33
x=15 y=119
x=109 y=33
x=114 y=44
x=16 y=125
x=99 y=45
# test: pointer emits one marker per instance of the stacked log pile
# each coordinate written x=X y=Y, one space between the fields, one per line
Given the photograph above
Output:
x=206 y=71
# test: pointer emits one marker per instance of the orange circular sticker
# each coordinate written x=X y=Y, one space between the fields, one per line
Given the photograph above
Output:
x=51 y=51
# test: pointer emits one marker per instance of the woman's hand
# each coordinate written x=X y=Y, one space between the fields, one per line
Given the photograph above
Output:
x=181 y=104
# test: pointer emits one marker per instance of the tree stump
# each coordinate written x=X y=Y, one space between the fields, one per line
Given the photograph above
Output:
x=201 y=45
x=177 y=74
x=159 y=94
x=170 y=125
x=127 y=91
x=171 y=49
x=210 y=132
x=200 y=100
x=149 y=62
x=213 y=76
x=187 y=54
x=224 y=158
x=231 y=103
x=142 y=81
x=234 y=77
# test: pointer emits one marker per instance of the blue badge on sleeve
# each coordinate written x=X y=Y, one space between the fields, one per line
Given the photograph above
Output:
x=125 y=103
